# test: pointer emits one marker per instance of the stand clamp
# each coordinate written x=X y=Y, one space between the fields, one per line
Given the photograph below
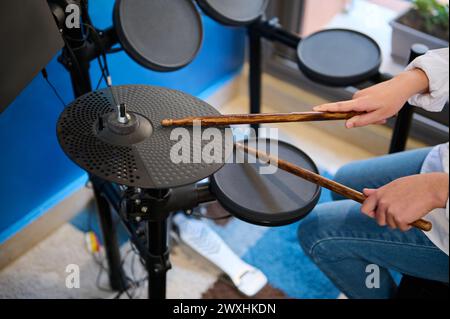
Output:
x=160 y=264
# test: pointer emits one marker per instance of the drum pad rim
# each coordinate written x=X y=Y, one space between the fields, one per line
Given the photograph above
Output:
x=334 y=80
x=275 y=220
x=219 y=17
x=129 y=48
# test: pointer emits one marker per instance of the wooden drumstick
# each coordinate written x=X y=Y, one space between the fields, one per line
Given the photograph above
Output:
x=320 y=180
x=259 y=118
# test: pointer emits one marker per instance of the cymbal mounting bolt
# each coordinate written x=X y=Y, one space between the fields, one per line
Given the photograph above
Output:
x=122 y=116
x=144 y=209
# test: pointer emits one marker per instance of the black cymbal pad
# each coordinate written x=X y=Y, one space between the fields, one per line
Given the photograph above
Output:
x=234 y=12
x=339 y=57
x=159 y=34
x=137 y=154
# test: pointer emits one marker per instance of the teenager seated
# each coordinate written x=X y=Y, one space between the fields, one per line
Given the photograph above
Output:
x=350 y=242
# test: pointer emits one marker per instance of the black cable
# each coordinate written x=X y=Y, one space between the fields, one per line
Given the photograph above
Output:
x=98 y=41
x=102 y=270
x=73 y=56
x=45 y=75
x=104 y=68
x=133 y=283
x=124 y=289
x=129 y=280
x=100 y=80
x=102 y=75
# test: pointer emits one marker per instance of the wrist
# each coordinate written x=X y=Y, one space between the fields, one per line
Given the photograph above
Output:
x=414 y=81
x=439 y=187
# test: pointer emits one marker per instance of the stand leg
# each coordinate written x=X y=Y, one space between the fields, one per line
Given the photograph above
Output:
x=158 y=262
x=401 y=129
x=255 y=73
x=116 y=275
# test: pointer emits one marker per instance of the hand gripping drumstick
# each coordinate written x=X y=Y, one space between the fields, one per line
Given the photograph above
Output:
x=320 y=180
x=259 y=118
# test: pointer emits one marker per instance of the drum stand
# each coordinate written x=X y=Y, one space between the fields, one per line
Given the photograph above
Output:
x=76 y=57
x=135 y=207
x=77 y=62
x=153 y=208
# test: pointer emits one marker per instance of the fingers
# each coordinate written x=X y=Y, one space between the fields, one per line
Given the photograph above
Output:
x=345 y=106
x=406 y=228
x=380 y=214
x=370 y=204
x=385 y=214
x=373 y=203
x=401 y=224
x=369 y=191
x=365 y=119
x=358 y=94
x=390 y=220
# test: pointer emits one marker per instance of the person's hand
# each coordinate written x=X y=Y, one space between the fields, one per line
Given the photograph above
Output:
x=380 y=101
x=407 y=199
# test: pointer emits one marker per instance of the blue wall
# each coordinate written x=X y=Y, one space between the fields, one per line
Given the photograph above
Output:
x=34 y=173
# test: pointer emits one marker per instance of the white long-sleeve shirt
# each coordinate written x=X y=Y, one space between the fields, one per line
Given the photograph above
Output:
x=435 y=65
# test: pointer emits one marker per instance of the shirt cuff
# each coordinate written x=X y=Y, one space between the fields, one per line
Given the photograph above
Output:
x=435 y=66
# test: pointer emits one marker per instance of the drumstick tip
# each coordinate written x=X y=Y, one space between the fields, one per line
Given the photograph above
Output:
x=167 y=122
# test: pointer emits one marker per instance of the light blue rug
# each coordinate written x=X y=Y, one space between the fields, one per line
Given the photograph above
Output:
x=277 y=253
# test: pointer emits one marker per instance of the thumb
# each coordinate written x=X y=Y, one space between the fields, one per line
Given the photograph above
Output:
x=369 y=191
x=365 y=119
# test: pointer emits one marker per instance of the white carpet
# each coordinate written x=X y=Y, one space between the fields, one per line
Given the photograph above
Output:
x=41 y=272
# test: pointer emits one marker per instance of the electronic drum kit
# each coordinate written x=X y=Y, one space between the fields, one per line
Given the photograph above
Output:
x=122 y=135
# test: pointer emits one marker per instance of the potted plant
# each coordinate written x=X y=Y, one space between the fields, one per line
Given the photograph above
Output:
x=426 y=23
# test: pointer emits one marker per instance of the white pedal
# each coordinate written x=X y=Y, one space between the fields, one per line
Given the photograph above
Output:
x=204 y=241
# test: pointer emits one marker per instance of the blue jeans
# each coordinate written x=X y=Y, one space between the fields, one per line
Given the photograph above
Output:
x=343 y=242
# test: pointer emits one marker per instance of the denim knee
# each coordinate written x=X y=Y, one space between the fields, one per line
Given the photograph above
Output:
x=317 y=243
x=324 y=230
x=303 y=238
x=309 y=233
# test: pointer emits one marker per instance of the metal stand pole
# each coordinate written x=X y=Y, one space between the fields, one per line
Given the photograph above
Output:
x=115 y=272
x=269 y=30
x=78 y=63
x=157 y=260
x=255 y=72
x=158 y=263
x=403 y=123
x=81 y=83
